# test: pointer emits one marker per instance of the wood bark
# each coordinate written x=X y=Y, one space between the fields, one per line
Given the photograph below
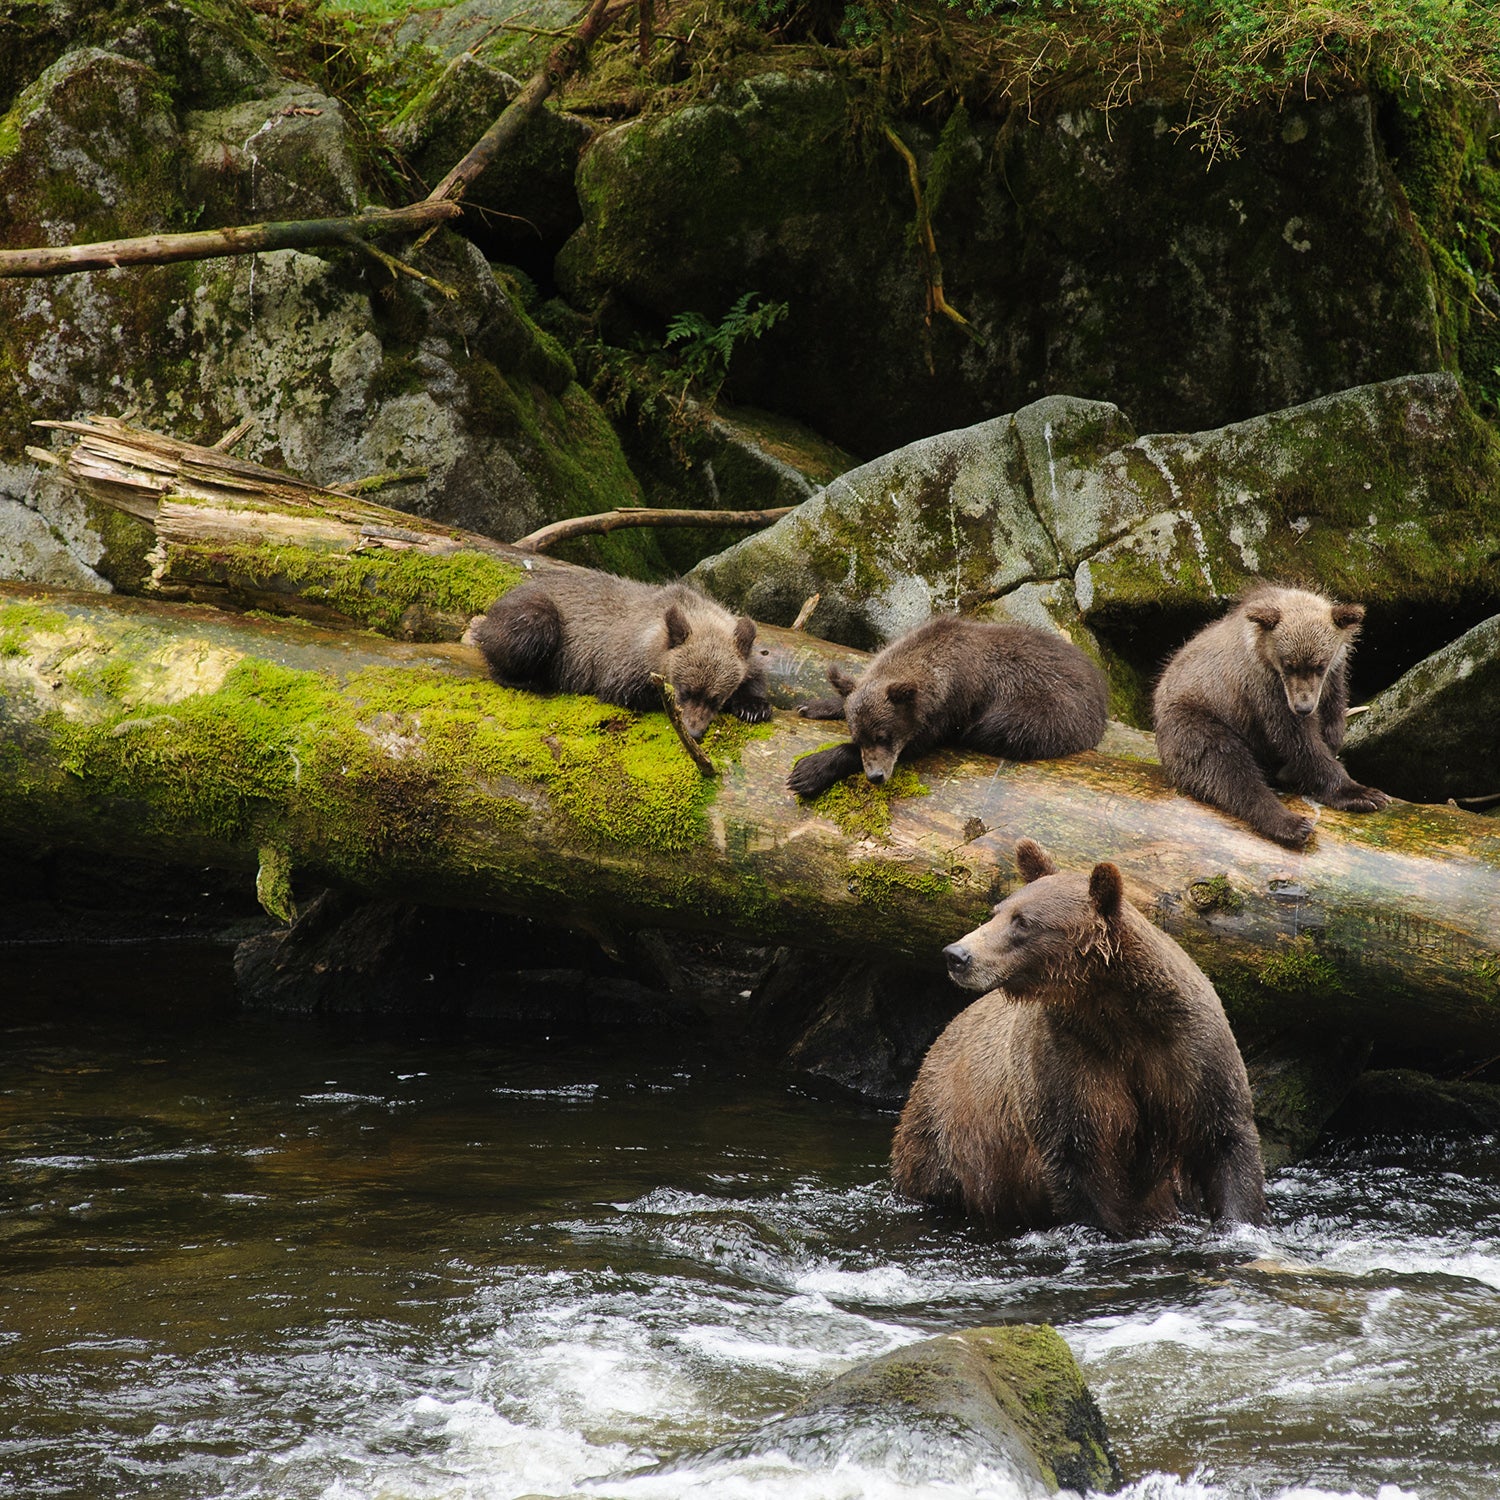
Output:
x=193 y=734
x=209 y=244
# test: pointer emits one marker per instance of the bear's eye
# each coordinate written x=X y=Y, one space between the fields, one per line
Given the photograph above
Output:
x=1020 y=922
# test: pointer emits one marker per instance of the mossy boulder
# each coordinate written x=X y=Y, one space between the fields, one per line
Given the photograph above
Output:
x=524 y=203
x=950 y=522
x=1060 y=516
x=345 y=369
x=1219 y=291
x=286 y=154
x=1012 y=1399
x=1433 y=733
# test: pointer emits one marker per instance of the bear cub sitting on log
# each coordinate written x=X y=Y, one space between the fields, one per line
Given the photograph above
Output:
x=1261 y=693
x=586 y=632
x=1004 y=689
x=1097 y=1083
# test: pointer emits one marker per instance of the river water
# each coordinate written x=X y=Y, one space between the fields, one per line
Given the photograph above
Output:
x=248 y=1256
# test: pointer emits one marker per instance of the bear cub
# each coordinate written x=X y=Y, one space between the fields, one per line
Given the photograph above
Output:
x=1003 y=689
x=586 y=632
x=1096 y=1083
x=1262 y=694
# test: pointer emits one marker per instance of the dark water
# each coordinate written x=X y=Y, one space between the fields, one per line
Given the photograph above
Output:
x=242 y=1256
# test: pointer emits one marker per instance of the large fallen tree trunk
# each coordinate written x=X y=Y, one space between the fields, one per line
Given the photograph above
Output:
x=192 y=734
x=215 y=529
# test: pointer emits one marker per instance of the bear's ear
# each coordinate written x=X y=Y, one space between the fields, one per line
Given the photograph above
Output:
x=901 y=692
x=1346 y=616
x=677 y=627
x=1267 y=616
x=842 y=681
x=1033 y=861
x=1106 y=891
x=744 y=635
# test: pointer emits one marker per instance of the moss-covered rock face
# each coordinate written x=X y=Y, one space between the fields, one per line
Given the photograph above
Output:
x=170 y=118
x=1012 y=1398
x=283 y=155
x=1433 y=734
x=1287 y=272
x=527 y=202
x=1059 y=516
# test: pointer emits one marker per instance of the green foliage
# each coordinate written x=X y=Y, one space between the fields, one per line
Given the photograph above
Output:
x=708 y=347
x=1218 y=56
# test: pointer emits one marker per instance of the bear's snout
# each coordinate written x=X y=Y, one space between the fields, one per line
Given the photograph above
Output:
x=959 y=958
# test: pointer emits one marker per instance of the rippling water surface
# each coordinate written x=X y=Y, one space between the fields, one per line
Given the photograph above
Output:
x=246 y=1256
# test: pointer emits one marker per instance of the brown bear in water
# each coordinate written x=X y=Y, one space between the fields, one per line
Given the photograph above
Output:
x=1097 y=1082
x=1004 y=689
x=1261 y=693
x=587 y=632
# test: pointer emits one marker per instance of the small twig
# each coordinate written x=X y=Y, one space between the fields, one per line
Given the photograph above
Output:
x=1477 y=1068
x=931 y=265
x=235 y=433
x=641 y=515
x=805 y=613
x=669 y=704
x=373 y=482
x=400 y=268
x=1479 y=801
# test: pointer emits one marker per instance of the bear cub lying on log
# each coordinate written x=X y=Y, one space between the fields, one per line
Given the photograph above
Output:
x=587 y=632
x=1004 y=689
x=1262 y=693
x=1097 y=1082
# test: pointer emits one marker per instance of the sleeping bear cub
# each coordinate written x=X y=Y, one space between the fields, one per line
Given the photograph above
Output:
x=1004 y=689
x=1262 y=693
x=1096 y=1083
x=587 y=632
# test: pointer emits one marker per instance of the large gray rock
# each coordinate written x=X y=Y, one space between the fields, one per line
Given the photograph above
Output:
x=1060 y=515
x=344 y=369
x=1435 y=733
x=1011 y=1399
x=1217 y=291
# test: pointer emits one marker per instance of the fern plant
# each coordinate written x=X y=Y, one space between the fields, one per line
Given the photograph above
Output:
x=708 y=347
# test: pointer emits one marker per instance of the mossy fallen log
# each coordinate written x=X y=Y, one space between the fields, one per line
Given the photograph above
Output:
x=190 y=523
x=191 y=734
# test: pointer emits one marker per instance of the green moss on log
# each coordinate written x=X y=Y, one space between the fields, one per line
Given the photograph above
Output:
x=403 y=594
x=862 y=809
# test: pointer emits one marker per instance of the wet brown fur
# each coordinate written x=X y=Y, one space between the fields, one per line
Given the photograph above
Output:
x=588 y=632
x=1097 y=1082
x=1227 y=711
x=1002 y=689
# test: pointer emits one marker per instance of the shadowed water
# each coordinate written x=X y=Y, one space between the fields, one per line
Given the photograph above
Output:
x=247 y=1256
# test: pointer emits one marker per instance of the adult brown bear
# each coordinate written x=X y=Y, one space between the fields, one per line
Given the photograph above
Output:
x=1097 y=1082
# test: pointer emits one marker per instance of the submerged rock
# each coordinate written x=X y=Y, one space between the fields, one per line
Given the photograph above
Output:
x=1433 y=734
x=1011 y=1399
x=1221 y=290
x=1403 y=1102
x=348 y=957
x=1060 y=515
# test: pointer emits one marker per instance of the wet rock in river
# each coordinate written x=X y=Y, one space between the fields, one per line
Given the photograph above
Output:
x=1012 y=1399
